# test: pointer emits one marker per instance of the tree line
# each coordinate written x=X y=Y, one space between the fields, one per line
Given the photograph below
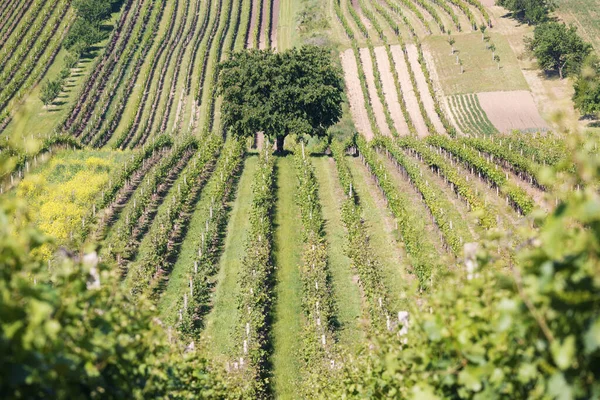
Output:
x=560 y=50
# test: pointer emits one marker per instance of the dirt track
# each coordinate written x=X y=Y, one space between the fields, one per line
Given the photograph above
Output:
x=275 y=24
x=355 y=95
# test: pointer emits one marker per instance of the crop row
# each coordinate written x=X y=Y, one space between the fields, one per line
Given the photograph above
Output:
x=154 y=57
x=9 y=23
x=359 y=249
x=459 y=184
x=140 y=42
x=450 y=12
x=215 y=56
x=546 y=149
x=256 y=280
x=466 y=11
x=413 y=8
x=149 y=272
x=120 y=189
x=470 y=115
x=30 y=74
x=317 y=297
x=39 y=10
x=103 y=65
x=525 y=168
x=192 y=306
x=138 y=213
x=412 y=76
x=17 y=73
x=432 y=196
x=116 y=96
x=420 y=250
x=178 y=65
x=354 y=14
x=146 y=129
x=258 y=25
x=489 y=171
x=15 y=56
x=206 y=48
x=197 y=36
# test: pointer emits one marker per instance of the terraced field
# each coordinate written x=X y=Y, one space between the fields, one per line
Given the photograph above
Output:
x=275 y=267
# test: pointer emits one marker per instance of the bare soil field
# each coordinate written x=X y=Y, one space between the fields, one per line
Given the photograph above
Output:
x=389 y=90
x=378 y=110
x=355 y=95
x=511 y=110
x=408 y=92
x=413 y=58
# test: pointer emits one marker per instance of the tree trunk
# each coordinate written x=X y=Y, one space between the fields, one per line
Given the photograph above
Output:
x=279 y=144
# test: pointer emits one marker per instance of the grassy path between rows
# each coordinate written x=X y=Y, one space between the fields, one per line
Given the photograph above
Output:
x=385 y=238
x=287 y=35
x=287 y=324
x=220 y=323
x=345 y=289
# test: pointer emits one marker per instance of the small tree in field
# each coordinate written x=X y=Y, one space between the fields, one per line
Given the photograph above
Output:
x=497 y=59
x=558 y=48
x=451 y=42
x=297 y=91
x=493 y=50
x=50 y=91
x=483 y=28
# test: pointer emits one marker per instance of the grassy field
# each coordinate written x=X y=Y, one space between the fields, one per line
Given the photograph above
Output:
x=346 y=291
x=221 y=321
x=287 y=35
x=585 y=15
x=481 y=73
x=287 y=323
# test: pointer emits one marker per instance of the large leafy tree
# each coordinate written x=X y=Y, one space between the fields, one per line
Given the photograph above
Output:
x=298 y=91
x=558 y=48
x=531 y=11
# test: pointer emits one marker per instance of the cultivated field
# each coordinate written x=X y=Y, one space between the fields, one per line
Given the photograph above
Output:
x=278 y=267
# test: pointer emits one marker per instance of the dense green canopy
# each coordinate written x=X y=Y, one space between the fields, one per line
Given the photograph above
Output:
x=558 y=48
x=297 y=91
x=587 y=87
x=531 y=11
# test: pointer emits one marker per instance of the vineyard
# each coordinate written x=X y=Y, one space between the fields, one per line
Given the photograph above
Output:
x=318 y=245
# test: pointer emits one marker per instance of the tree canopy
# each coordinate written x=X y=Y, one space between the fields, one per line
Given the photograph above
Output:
x=531 y=11
x=587 y=87
x=558 y=48
x=87 y=29
x=297 y=91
